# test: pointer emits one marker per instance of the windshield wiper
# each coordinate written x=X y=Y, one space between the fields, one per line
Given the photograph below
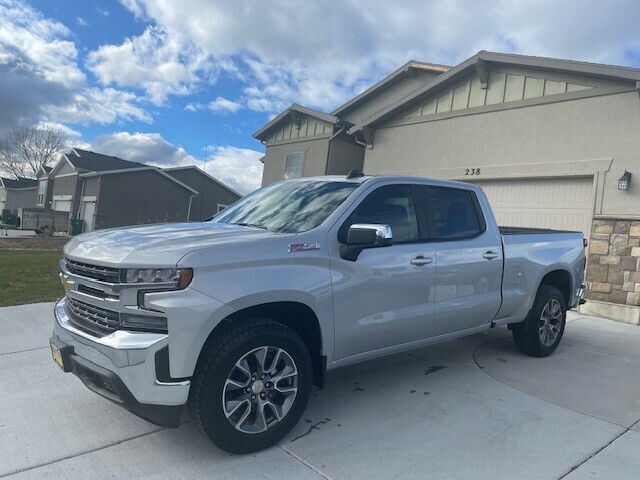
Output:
x=251 y=225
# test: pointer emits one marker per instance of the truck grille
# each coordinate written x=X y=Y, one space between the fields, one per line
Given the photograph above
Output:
x=96 y=272
x=93 y=320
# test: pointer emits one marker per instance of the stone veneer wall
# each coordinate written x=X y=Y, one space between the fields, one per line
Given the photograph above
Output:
x=613 y=268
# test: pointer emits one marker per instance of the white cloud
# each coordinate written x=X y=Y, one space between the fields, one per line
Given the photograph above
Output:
x=219 y=105
x=321 y=54
x=239 y=168
x=38 y=42
x=154 y=62
x=81 y=21
x=96 y=105
x=195 y=106
x=103 y=11
x=223 y=105
x=40 y=78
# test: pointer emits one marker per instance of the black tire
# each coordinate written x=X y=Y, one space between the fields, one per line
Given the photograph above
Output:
x=527 y=338
x=216 y=363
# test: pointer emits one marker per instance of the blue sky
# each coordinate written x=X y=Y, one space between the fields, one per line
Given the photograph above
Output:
x=164 y=81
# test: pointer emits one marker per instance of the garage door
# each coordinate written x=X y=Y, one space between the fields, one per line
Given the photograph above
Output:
x=62 y=205
x=559 y=203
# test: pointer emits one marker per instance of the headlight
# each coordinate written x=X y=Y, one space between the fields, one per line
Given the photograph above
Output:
x=180 y=278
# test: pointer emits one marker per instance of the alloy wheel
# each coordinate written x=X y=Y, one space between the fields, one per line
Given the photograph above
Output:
x=550 y=322
x=260 y=389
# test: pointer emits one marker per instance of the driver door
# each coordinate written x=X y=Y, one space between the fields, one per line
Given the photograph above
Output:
x=382 y=298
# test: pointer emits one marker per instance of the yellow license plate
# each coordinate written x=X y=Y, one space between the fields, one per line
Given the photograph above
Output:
x=57 y=356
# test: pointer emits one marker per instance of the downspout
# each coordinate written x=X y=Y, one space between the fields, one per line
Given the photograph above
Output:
x=326 y=168
x=189 y=209
x=80 y=200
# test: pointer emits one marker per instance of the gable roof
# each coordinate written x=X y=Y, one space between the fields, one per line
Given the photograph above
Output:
x=88 y=161
x=390 y=80
x=202 y=172
x=288 y=113
x=479 y=61
x=19 y=184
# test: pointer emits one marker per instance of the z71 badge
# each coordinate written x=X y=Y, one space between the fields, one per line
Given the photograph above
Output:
x=303 y=247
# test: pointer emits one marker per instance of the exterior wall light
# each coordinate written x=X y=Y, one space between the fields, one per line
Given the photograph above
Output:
x=624 y=182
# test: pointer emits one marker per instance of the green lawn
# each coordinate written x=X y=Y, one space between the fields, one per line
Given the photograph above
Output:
x=28 y=276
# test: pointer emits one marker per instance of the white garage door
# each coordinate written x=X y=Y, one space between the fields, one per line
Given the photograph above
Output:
x=62 y=205
x=558 y=203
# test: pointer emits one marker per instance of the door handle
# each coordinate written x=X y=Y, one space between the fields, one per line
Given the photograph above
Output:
x=420 y=261
x=489 y=255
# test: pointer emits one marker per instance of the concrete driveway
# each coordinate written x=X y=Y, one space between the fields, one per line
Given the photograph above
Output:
x=470 y=408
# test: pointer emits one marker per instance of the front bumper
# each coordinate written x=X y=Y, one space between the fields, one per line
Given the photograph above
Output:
x=121 y=367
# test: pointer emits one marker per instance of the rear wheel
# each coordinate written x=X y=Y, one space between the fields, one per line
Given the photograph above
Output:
x=545 y=327
x=252 y=386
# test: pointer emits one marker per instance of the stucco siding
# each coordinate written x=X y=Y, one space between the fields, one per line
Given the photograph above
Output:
x=385 y=98
x=314 y=162
x=564 y=138
x=143 y=197
x=344 y=156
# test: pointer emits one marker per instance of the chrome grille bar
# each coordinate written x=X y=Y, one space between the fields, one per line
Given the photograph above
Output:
x=92 y=319
x=96 y=272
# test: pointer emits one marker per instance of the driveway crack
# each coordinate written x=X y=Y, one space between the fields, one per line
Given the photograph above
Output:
x=305 y=463
x=84 y=452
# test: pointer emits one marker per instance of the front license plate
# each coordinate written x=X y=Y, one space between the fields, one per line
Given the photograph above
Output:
x=57 y=355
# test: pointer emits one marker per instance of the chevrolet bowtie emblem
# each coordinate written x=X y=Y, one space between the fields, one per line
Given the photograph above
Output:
x=66 y=283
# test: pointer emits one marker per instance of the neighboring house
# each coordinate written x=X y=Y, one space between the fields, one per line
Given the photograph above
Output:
x=15 y=194
x=305 y=142
x=44 y=193
x=213 y=195
x=547 y=139
x=107 y=191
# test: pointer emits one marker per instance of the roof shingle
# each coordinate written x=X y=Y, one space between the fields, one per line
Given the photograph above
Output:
x=97 y=162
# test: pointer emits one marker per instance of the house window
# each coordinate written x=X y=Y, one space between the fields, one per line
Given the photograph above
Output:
x=42 y=189
x=293 y=165
x=221 y=207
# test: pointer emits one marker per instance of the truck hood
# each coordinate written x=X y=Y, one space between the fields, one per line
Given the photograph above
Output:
x=157 y=245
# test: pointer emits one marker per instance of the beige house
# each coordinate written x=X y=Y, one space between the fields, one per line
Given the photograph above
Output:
x=548 y=140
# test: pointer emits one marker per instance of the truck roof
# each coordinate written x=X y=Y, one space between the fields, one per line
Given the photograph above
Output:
x=397 y=178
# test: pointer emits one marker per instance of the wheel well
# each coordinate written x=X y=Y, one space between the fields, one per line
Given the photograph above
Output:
x=561 y=280
x=299 y=318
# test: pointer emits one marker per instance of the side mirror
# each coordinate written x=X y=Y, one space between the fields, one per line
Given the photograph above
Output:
x=365 y=235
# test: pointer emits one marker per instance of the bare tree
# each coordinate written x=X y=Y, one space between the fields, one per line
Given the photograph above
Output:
x=26 y=149
x=10 y=162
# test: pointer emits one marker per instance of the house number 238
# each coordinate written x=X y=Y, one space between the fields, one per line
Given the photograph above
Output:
x=472 y=171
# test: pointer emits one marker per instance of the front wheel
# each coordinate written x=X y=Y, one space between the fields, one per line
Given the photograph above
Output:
x=546 y=324
x=252 y=386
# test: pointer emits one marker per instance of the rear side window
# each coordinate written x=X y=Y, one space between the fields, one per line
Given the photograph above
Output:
x=452 y=213
x=390 y=205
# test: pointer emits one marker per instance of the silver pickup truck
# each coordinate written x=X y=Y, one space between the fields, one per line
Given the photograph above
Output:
x=237 y=318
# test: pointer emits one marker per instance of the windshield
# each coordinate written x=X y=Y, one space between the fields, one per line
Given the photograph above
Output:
x=289 y=207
